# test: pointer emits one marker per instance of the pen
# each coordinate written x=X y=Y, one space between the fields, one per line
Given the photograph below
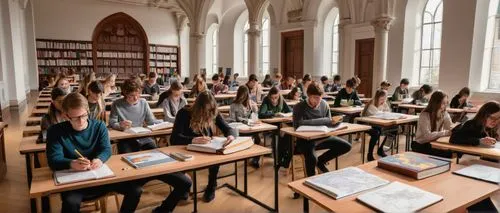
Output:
x=79 y=154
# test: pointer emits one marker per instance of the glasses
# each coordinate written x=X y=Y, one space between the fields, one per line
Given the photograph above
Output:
x=79 y=118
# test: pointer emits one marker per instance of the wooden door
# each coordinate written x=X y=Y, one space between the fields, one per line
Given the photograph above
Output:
x=292 y=53
x=364 y=65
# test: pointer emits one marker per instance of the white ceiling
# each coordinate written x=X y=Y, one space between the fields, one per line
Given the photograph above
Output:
x=170 y=5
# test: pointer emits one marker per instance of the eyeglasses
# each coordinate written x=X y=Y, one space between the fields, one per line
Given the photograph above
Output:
x=79 y=118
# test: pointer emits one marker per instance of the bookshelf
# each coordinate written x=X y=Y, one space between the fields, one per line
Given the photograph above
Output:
x=164 y=59
x=55 y=55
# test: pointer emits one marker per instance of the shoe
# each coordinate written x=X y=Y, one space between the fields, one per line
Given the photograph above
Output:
x=254 y=163
x=381 y=153
x=370 y=157
x=159 y=210
x=185 y=196
x=322 y=167
x=209 y=193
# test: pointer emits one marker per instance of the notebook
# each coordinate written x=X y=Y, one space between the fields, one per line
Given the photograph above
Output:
x=480 y=172
x=217 y=143
x=344 y=182
x=418 y=166
x=146 y=159
x=138 y=130
x=280 y=114
x=320 y=128
x=388 y=116
x=162 y=125
x=399 y=197
x=71 y=176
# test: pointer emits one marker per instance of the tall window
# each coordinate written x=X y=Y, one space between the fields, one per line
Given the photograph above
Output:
x=494 y=77
x=214 y=50
x=245 y=49
x=430 y=44
x=264 y=44
x=335 y=47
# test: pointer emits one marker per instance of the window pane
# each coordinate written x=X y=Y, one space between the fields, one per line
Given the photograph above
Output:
x=432 y=5
x=424 y=76
x=426 y=58
x=426 y=36
x=265 y=37
x=265 y=54
x=437 y=35
x=434 y=75
x=494 y=82
x=438 y=17
x=436 y=57
x=335 y=56
x=427 y=18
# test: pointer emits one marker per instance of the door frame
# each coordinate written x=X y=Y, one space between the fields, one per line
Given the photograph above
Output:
x=284 y=36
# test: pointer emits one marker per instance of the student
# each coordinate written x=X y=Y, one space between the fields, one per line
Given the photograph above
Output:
x=172 y=101
x=337 y=85
x=63 y=83
x=272 y=104
x=160 y=80
x=196 y=124
x=377 y=105
x=287 y=84
x=294 y=94
x=97 y=108
x=132 y=111
x=401 y=91
x=306 y=80
x=234 y=83
x=482 y=129
x=277 y=79
x=109 y=84
x=434 y=122
x=55 y=114
x=267 y=81
x=241 y=111
x=327 y=87
x=348 y=93
x=89 y=77
x=217 y=86
x=419 y=96
x=316 y=112
x=150 y=87
x=385 y=85
x=357 y=81
x=198 y=87
x=227 y=78
x=254 y=88
x=460 y=101
x=90 y=138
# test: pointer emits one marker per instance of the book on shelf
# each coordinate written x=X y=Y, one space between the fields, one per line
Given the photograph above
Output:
x=218 y=145
x=71 y=176
x=389 y=116
x=399 y=197
x=418 y=166
x=162 y=125
x=480 y=172
x=344 y=182
x=146 y=159
x=325 y=129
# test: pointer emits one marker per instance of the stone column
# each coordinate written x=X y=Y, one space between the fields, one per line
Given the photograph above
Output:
x=253 y=49
x=381 y=25
x=196 y=52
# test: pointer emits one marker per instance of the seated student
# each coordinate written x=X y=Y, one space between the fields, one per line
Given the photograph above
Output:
x=90 y=138
x=150 y=87
x=385 y=85
x=159 y=79
x=272 y=104
x=376 y=105
x=419 y=96
x=55 y=114
x=294 y=94
x=226 y=80
x=109 y=84
x=287 y=84
x=97 y=108
x=241 y=111
x=234 y=83
x=277 y=79
x=196 y=124
x=349 y=94
x=268 y=82
x=89 y=77
x=316 y=112
x=357 y=81
x=327 y=87
x=172 y=101
x=434 y=122
x=254 y=88
x=63 y=83
x=218 y=87
x=198 y=87
x=337 y=84
x=306 y=81
x=460 y=101
x=401 y=91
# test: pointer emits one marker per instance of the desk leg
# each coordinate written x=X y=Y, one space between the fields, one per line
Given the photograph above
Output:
x=306 y=205
x=363 y=147
x=29 y=176
x=39 y=204
x=236 y=174
x=245 y=178
x=276 y=168
x=195 y=193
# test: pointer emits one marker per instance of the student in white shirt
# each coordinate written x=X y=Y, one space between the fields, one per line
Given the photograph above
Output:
x=377 y=105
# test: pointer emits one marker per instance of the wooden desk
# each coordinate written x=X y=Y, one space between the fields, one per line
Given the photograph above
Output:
x=451 y=187
x=44 y=95
x=42 y=105
x=158 y=112
x=152 y=104
x=43 y=182
x=3 y=160
x=31 y=130
x=332 y=93
x=33 y=121
x=350 y=110
x=262 y=127
x=224 y=109
x=443 y=143
x=39 y=112
x=44 y=99
x=276 y=120
x=225 y=96
x=468 y=110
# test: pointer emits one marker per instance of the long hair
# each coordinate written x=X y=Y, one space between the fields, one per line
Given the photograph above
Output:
x=292 y=92
x=83 y=88
x=175 y=86
x=54 y=94
x=378 y=94
x=433 y=109
x=273 y=91
x=242 y=96
x=97 y=88
x=486 y=111
x=203 y=113
x=198 y=87
x=109 y=83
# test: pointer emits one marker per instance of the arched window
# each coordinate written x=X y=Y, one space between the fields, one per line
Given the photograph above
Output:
x=335 y=47
x=430 y=43
x=494 y=74
x=245 y=49
x=214 y=51
x=264 y=44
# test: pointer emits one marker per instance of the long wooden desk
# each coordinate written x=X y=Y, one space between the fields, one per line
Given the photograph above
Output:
x=443 y=143
x=451 y=187
x=350 y=110
x=43 y=183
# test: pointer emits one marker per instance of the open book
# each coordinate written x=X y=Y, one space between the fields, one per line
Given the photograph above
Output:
x=320 y=128
x=162 y=125
x=217 y=145
x=147 y=159
x=407 y=100
x=280 y=114
x=137 y=130
x=388 y=116
x=480 y=172
x=71 y=176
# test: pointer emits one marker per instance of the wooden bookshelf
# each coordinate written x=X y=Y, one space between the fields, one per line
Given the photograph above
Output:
x=164 y=59
x=55 y=55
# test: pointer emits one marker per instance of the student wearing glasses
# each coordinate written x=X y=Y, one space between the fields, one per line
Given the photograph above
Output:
x=90 y=138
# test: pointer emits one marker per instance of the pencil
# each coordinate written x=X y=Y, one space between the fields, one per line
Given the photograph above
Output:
x=79 y=154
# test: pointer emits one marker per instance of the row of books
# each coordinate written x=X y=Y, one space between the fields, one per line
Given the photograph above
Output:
x=128 y=70
x=49 y=70
x=65 y=62
x=63 y=45
x=162 y=64
x=162 y=57
x=63 y=54
x=115 y=62
x=163 y=49
x=121 y=47
x=120 y=39
x=128 y=55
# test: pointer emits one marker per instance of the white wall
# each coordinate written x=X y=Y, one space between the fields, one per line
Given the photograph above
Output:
x=395 y=46
x=76 y=20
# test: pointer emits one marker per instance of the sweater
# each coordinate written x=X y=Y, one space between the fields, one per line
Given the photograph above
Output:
x=267 y=110
x=170 y=108
x=151 y=89
x=418 y=96
x=182 y=134
x=470 y=133
x=397 y=92
x=344 y=95
x=138 y=113
x=373 y=110
x=424 y=133
x=239 y=113
x=62 y=140
x=303 y=114
x=455 y=103
x=219 y=89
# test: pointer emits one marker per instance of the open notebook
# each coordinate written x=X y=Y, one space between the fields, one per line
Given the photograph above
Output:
x=71 y=176
x=148 y=129
x=321 y=128
x=480 y=172
x=217 y=143
x=388 y=116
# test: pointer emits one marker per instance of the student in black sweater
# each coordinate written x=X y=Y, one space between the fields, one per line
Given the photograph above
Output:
x=197 y=124
x=348 y=93
x=460 y=101
x=420 y=95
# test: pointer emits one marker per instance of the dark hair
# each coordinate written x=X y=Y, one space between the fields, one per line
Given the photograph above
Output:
x=485 y=111
x=273 y=91
x=242 y=96
x=152 y=75
x=336 y=78
x=236 y=74
x=267 y=76
x=307 y=77
x=404 y=81
x=426 y=88
x=314 y=89
x=385 y=83
x=130 y=86
x=349 y=83
x=57 y=92
x=96 y=87
x=215 y=77
x=292 y=92
x=252 y=77
x=433 y=108
x=226 y=80
x=464 y=92
x=175 y=85
x=324 y=78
